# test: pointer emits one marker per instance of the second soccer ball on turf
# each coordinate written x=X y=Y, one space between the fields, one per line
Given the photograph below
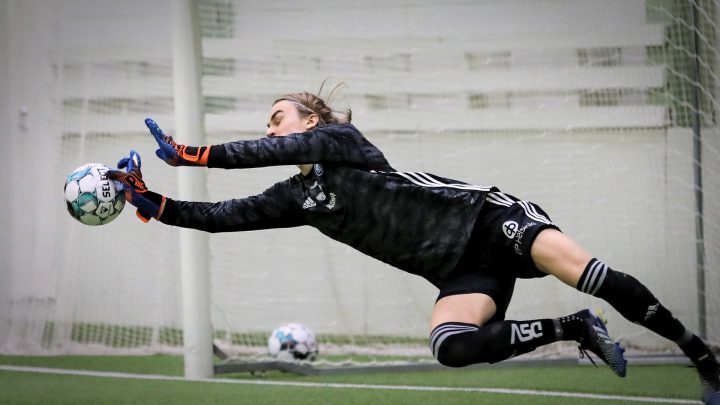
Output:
x=293 y=341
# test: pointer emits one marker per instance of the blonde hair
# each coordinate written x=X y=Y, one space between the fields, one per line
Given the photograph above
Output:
x=308 y=103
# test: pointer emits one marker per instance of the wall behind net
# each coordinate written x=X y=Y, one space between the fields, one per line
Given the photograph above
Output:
x=584 y=107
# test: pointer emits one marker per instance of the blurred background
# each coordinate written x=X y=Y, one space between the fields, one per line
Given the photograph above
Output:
x=602 y=112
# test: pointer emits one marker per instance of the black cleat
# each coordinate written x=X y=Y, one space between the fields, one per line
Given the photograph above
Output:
x=707 y=368
x=595 y=338
x=711 y=397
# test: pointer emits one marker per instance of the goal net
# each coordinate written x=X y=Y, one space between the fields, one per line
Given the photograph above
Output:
x=603 y=113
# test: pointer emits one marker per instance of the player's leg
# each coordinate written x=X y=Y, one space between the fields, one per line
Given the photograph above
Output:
x=513 y=226
x=471 y=308
x=463 y=332
x=468 y=323
x=556 y=254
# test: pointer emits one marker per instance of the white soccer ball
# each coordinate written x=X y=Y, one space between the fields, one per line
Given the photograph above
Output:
x=91 y=197
x=293 y=341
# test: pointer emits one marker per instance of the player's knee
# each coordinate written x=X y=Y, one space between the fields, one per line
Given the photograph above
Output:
x=449 y=343
x=452 y=354
x=459 y=345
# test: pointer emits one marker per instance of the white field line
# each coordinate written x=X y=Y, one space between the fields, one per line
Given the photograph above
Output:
x=108 y=374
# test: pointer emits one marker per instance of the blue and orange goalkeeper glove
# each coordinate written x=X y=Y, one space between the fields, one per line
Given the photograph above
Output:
x=149 y=204
x=175 y=154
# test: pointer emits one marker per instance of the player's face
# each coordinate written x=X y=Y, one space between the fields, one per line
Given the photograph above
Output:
x=285 y=119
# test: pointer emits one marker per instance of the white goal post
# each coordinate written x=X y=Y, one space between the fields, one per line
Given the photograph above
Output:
x=194 y=248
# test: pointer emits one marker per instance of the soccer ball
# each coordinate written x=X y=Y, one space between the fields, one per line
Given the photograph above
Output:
x=91 y=197
x=293 y=341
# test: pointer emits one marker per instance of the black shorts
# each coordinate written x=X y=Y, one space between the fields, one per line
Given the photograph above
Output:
x=498 y=251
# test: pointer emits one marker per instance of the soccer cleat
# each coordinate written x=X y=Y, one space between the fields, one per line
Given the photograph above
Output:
x=595 y=338
x=711 y=397
x=707 y=368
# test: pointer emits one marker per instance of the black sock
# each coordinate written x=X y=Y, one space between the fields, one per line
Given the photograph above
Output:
x=631 y=298
x=572 y=327
x=458 y=344
x=695 y=349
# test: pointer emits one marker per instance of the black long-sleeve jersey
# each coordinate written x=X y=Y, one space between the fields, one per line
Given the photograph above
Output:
x=417 y=222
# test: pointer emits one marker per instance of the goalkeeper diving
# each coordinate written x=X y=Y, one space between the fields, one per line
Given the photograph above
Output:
x=471 y=242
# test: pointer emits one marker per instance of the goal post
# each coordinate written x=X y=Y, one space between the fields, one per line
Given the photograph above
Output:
x=194 y=248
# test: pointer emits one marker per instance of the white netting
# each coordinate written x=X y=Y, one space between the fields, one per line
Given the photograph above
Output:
x=587 y=108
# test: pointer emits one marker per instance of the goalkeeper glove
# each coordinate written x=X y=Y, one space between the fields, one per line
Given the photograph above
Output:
x=175 y=154
x=149 y=204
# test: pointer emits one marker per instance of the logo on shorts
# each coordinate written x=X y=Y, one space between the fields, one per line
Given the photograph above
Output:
x=510 y=228
x=319 y=170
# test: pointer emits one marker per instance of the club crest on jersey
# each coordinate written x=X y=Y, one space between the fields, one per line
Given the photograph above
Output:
x=316 y=196
x=319 y=170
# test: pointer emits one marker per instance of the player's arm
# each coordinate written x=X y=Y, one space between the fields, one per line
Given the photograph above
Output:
x=274 y=208
x=334 y=143
x=271 y=209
